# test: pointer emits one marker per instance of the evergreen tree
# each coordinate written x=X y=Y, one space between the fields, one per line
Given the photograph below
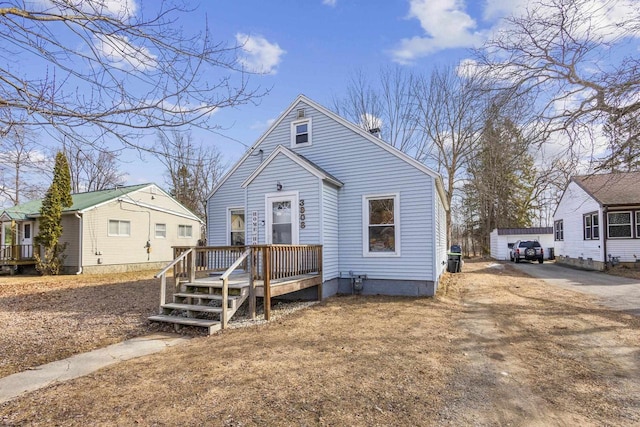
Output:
x=57 y=198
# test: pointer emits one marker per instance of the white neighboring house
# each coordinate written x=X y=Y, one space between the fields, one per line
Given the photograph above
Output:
x=119 y=229
x=501 y=238
x=597 y=222
x=316 y=178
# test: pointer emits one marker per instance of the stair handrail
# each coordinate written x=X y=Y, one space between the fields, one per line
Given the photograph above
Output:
x=225 y=286
x=163 y=276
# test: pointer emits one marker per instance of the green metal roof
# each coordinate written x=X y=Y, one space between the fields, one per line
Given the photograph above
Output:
x=81 y=201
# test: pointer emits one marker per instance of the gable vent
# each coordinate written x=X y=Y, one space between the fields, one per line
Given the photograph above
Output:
x=301 y=113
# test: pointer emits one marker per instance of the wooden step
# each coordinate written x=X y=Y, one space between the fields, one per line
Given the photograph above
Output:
x=178 y=298
x=192 y=307
x=200 y=295
x=214 y=283
x=211 y=325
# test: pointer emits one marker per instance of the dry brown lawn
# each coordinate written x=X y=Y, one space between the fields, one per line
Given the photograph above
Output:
x=494 y=348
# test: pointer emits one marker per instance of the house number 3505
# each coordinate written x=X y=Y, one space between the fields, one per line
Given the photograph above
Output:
x=302 y=215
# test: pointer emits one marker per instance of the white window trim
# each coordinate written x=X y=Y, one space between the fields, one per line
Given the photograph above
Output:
x=637 y=224
x=185 y=237
x=119 y=221
x=630 y=224
x=309 y=123
x=155 y=230
x=591 y=216
x=558 y=233
x=295 y=211
x=365 y=225
x=229 y=223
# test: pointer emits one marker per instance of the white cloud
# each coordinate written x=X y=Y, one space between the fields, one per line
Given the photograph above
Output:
x=121 y=53
x=496 y=9
x=331 y=3
x=446 y=25
x=260 y=56
x=121 y=9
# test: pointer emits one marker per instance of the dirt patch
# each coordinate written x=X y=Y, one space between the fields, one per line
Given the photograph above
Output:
x=498 y=348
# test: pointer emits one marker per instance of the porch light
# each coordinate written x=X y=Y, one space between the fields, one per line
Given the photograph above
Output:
x=278 y=186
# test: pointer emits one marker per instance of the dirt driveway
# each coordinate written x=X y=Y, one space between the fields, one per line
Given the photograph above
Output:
x=498 y=348
x=618 y=293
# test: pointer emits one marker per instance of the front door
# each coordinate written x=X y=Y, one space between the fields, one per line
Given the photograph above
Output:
x=282 y=219
x=26 y=239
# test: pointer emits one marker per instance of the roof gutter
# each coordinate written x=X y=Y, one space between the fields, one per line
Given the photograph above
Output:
x=79 y=243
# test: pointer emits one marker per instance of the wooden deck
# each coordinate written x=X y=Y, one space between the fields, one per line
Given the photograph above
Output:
x=215 y=281
x=279 y=287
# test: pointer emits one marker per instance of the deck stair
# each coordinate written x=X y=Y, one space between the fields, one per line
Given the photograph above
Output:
x=229 y=275
x=199 y=303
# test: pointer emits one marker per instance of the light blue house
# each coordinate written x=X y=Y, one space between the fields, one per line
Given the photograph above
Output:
x=314 y=178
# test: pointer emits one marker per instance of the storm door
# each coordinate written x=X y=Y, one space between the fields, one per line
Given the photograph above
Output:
x=282 y=219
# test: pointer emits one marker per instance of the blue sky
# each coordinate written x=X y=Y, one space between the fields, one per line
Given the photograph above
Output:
x=314 y=46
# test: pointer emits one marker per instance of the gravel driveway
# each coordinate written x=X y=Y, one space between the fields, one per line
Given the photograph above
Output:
x=618 y=293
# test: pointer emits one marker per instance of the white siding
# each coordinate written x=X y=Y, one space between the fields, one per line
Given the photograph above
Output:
x=366 y=169
x=627 y=250
x=574 y=204
x=293 y=177
x=441 y=233
x=500 y=243
x=330 y=247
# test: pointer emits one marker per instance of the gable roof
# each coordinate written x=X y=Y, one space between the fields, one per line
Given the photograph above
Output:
x=297 y=158
x=81 y=202
x=612 y=189
x=379 y=142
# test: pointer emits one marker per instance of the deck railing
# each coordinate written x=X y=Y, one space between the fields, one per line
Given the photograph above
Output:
x=263 y=263
x=16 y=253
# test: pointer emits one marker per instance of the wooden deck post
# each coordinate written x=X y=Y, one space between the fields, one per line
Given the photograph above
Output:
x=319 y=260
x=192 y=266
x=266 y=261
x=225 y=302
x=163 y=291
x=252 y=283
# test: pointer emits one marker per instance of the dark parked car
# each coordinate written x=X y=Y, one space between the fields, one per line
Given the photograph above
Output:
x=527 y=249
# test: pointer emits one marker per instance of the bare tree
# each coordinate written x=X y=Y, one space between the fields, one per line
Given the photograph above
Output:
x=579 y=57
x=192 y=170
x=106 y=70
x=92 y=169
x=385 y=105
x=22 y=167
x=451 y=117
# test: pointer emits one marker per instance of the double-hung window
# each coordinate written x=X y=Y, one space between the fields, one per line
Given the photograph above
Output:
x=591 y=226
x=638 y=224
x=236 y=227
x=558 y=228
x=161 y=231
x=185 y=231
x=619 y=225
x=381 y=232
x=301 y=133
x=119 y=228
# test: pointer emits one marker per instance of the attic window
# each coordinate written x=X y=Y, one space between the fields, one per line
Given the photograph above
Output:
x=301 y=133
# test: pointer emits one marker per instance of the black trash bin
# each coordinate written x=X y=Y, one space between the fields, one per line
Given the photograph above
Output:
x=454 y=260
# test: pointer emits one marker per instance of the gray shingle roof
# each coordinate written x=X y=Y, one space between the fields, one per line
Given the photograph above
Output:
x=612 y=189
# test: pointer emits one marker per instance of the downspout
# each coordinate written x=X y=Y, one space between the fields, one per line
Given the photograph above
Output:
x=79 y=243
x=604 y=233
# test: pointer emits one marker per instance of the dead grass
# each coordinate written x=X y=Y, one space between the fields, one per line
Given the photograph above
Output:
x=497 y=348
x=47 y=318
